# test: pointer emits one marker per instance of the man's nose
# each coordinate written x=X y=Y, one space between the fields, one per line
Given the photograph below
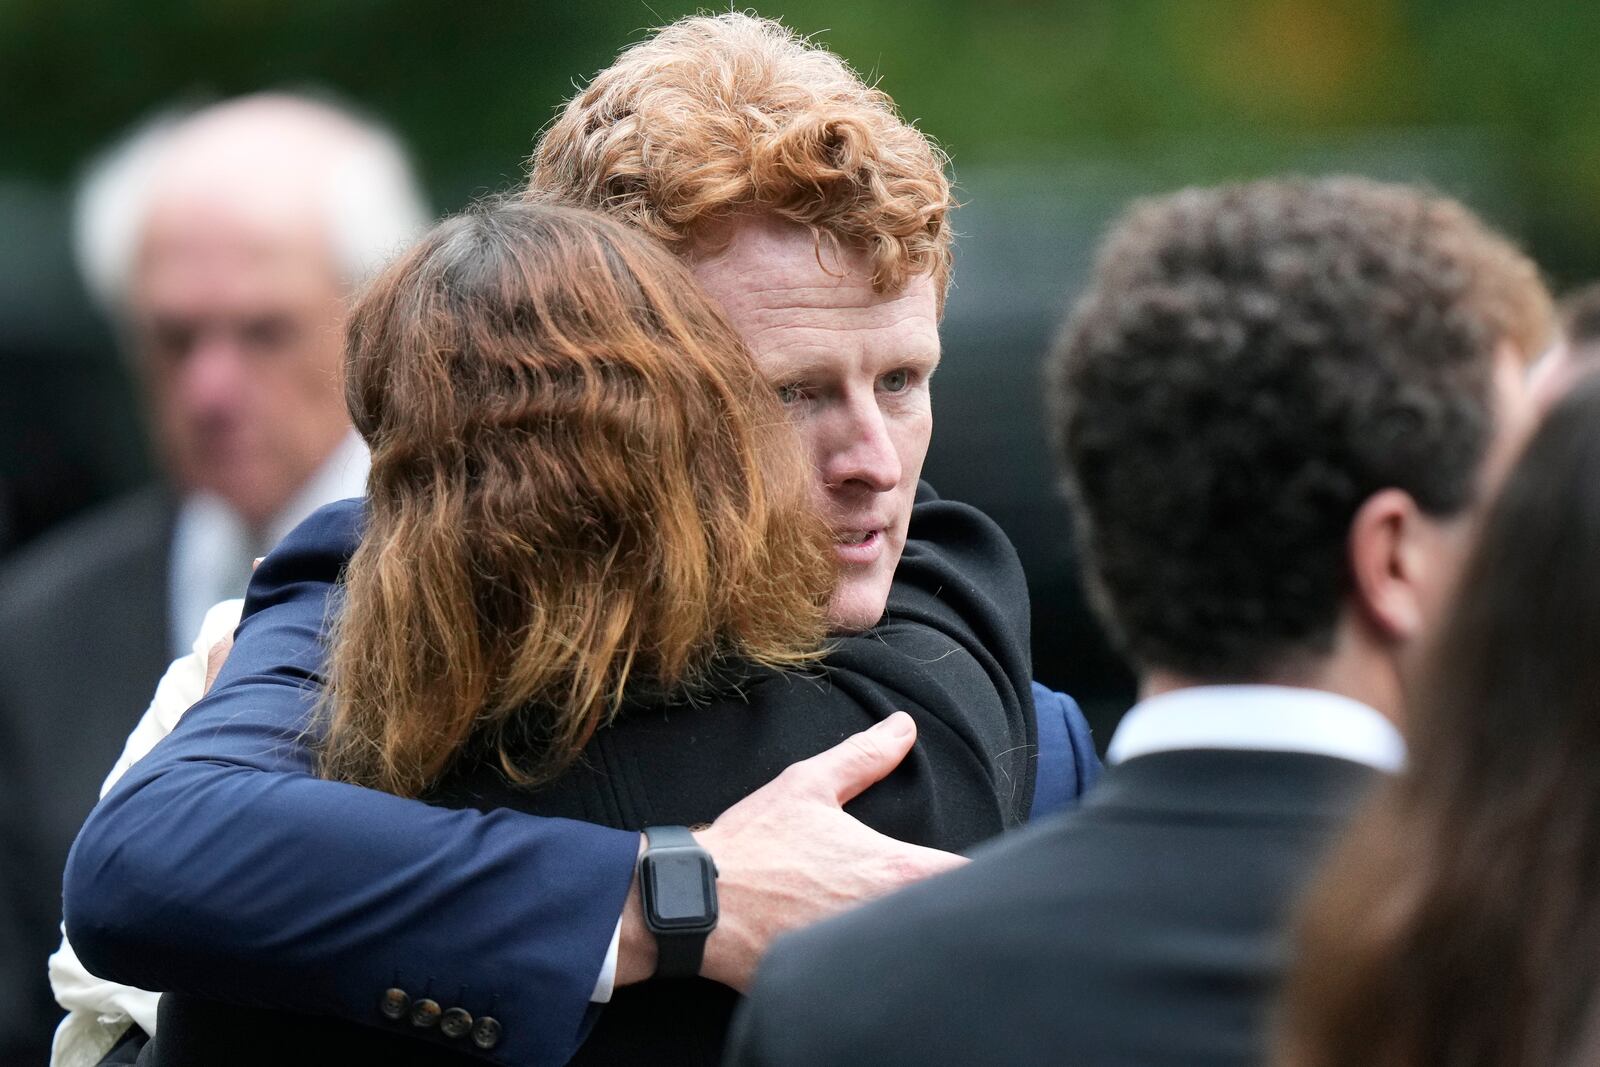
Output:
x=863 y=453
x=211 y=380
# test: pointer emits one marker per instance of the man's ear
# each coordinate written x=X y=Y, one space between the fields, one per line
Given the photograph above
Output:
x=1390 y=549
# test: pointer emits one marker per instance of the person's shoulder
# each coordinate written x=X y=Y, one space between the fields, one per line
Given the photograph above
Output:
x=1067 y=765
x=335 y=525
x=911 y=977
x=960 y=573
x=958 y=536
x=313 y=553
x=107 y=545
x=951 y=913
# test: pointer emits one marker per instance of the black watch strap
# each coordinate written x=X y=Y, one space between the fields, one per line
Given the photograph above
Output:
x=679 y=951
x=679 y=955
x=670 y=837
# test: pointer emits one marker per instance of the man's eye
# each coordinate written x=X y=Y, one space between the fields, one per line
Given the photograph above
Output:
x=173 y=345
x=896 y=381
x=267 y=333
x=168 y=341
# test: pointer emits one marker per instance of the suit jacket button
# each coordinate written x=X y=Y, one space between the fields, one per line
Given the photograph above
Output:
x=486 y=1032
x=425 y=1013
x=395 y=1004
x=456 y=1022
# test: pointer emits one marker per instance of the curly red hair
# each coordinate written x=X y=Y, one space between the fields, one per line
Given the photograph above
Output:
x=718 y=115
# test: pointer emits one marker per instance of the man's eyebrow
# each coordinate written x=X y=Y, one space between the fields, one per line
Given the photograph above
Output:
x=165 y=324
x=824 y=362
x=926 y=359
x=795 y=365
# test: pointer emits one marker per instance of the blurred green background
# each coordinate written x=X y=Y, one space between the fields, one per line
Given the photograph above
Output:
x=1054 y=113
x=1195 y=89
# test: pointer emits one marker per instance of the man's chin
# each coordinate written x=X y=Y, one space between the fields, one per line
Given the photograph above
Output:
x=858 y=606
x=253 y=496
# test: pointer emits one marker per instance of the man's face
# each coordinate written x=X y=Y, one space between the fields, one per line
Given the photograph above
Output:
x=853 y=367
x=237 y=321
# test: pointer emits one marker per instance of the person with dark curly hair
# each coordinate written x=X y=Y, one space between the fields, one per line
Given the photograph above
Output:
x=1279 y=407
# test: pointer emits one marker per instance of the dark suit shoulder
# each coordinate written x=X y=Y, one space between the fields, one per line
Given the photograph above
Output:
x=1143 y=927
x=83 y=613
x=122 y=541
x=947 y=971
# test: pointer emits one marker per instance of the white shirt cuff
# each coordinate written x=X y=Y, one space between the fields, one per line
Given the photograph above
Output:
x=607 y=982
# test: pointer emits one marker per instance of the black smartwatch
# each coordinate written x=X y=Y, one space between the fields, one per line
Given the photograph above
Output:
x=678 y=886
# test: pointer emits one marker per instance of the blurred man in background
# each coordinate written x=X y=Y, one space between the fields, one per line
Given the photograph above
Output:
x=223 y=245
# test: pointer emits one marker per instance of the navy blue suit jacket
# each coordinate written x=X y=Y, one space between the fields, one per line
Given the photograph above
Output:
x=1068 y=765
x=191 y=875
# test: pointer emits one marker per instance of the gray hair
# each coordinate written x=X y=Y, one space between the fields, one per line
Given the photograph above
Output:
x=372 y=202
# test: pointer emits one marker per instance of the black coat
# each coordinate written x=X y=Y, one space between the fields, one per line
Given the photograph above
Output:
x=1144 y=928
x=952 y=651
x=83 y=640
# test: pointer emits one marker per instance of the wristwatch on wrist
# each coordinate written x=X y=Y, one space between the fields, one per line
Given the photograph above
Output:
x=678 y=886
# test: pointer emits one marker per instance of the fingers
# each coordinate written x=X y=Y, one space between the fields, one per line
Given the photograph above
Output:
x=861 y=759
x=215 y=659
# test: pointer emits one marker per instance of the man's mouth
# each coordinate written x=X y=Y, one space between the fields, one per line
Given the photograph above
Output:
x=858 y=546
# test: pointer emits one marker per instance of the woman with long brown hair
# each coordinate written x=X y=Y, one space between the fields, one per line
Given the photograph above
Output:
x=580 y=487
x=590 y=584
x=1459 y=921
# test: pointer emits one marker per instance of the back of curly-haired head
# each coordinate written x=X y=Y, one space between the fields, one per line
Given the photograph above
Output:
x=582 y=491
x=1249 y=365
x=720 y=115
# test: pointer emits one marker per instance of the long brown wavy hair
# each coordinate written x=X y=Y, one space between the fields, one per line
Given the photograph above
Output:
x=1459 y=922
x=581 y=488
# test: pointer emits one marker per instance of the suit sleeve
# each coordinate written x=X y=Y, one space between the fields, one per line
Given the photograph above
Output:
x=221 y=866
x=1068 y=765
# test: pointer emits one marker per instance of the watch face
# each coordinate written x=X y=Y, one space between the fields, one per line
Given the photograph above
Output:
x=679 y=893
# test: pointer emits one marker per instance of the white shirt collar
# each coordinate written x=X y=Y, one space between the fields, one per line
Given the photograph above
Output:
x=212 y=547
x=1265 y=718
